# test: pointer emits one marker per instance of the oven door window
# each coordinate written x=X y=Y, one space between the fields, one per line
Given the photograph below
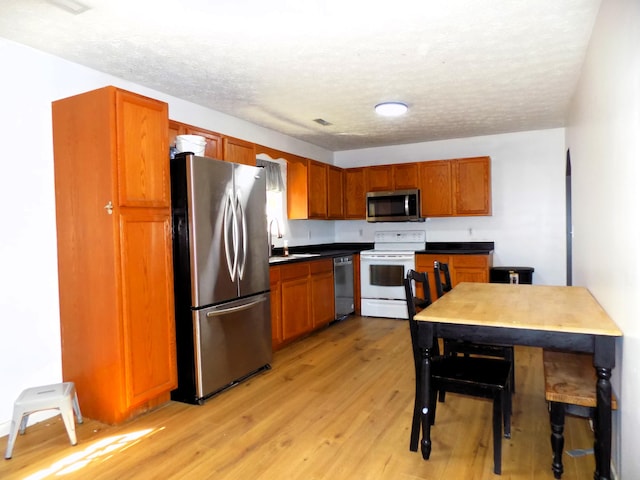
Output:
x=386 y=275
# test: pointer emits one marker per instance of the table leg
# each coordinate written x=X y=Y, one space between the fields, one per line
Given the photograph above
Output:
x=556 y=415
x=602 y=425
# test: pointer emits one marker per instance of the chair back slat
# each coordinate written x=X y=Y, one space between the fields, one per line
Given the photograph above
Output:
x=441 y=270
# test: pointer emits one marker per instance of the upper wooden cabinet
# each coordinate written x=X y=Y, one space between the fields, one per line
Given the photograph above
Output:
x=401 y=176
x=213 y=145
x=217 y=146
x=460 y=187
x=405 y=176
x=335 y=193
x=355 y=193
x=379 y=178
x=238 y=151
x=317 y=181
x=436 y=189
x=472 y=186
x=315 y=190
x=115 y=269
x=297 y=188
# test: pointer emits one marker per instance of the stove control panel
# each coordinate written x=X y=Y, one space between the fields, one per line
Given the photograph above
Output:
x=402 y=240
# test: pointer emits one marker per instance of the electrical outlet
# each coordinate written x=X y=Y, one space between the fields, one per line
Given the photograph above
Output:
x=309 y=234
x=360 y=232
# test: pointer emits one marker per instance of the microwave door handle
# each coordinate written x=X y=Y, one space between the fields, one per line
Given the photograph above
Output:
x=406 y=205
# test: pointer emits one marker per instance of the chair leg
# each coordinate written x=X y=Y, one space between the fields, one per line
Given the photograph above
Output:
x=497 y=434
x=556 y=415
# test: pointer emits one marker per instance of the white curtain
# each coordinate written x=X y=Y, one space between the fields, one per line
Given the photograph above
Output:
x=274 y=175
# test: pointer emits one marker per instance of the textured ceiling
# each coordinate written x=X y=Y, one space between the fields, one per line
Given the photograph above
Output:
x=464 y=67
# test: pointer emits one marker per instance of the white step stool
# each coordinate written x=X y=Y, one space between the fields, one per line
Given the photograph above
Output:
x=61 y=396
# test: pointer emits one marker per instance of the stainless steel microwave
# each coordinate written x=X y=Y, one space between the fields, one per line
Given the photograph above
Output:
x=395 y=206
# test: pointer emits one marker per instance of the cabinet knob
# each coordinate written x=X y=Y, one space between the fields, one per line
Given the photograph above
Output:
x=109 y=207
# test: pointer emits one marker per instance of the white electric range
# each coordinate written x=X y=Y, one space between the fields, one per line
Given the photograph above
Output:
x=383 y=270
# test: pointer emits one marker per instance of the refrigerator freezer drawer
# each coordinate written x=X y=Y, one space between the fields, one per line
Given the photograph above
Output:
x=233 y=340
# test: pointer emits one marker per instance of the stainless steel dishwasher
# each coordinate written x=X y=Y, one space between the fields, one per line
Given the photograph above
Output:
x=343 y=285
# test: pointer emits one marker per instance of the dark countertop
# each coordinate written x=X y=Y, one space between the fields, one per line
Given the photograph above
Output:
x=459 y=248
x=338 y=249
x=320 y=251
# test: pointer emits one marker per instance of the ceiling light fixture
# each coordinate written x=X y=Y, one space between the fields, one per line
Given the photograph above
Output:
x=391 y=109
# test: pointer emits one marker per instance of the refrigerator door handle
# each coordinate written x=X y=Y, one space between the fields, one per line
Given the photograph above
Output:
x=231 y=263
x=239 y=308
x=242 y=251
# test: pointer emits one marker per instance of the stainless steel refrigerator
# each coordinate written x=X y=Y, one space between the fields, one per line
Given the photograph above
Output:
x=221 y=274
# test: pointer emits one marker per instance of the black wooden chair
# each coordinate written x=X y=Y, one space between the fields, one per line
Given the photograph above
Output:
x=475 y=376
x=453 y=347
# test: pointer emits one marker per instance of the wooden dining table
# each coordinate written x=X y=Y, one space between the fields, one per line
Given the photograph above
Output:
x=560 y=317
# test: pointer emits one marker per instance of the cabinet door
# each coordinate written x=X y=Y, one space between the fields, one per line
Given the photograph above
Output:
x=354 y=193
x=405 y=176
x=317 y=183
x=296 y=298
x=239 y=151
x=213 y=145
x=436 y=190
x=148 y=327
x=142 y=151
x=334 y=193
x=470 y=268
x=379 y=178
x=276 y=307
x=322 y=292
x=297 y=188
x=175 y=129
x=473 y=186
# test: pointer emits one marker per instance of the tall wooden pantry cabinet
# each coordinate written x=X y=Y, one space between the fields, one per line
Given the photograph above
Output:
x=115 y=269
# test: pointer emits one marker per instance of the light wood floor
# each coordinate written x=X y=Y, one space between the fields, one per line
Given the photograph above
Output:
x=336 y=405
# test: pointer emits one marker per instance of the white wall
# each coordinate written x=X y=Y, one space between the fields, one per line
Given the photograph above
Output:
x=31 y=80
x=604 y=140
x=528 y=178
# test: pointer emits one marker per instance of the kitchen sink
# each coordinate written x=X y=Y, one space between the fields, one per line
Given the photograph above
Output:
x=291 y=256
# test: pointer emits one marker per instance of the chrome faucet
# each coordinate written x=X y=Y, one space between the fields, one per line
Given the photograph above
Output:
x=271 y=234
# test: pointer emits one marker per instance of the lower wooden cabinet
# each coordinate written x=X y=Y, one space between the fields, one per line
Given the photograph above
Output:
x=302 y=299
x=322 y=292
x=463 y=268
x=276 y=307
